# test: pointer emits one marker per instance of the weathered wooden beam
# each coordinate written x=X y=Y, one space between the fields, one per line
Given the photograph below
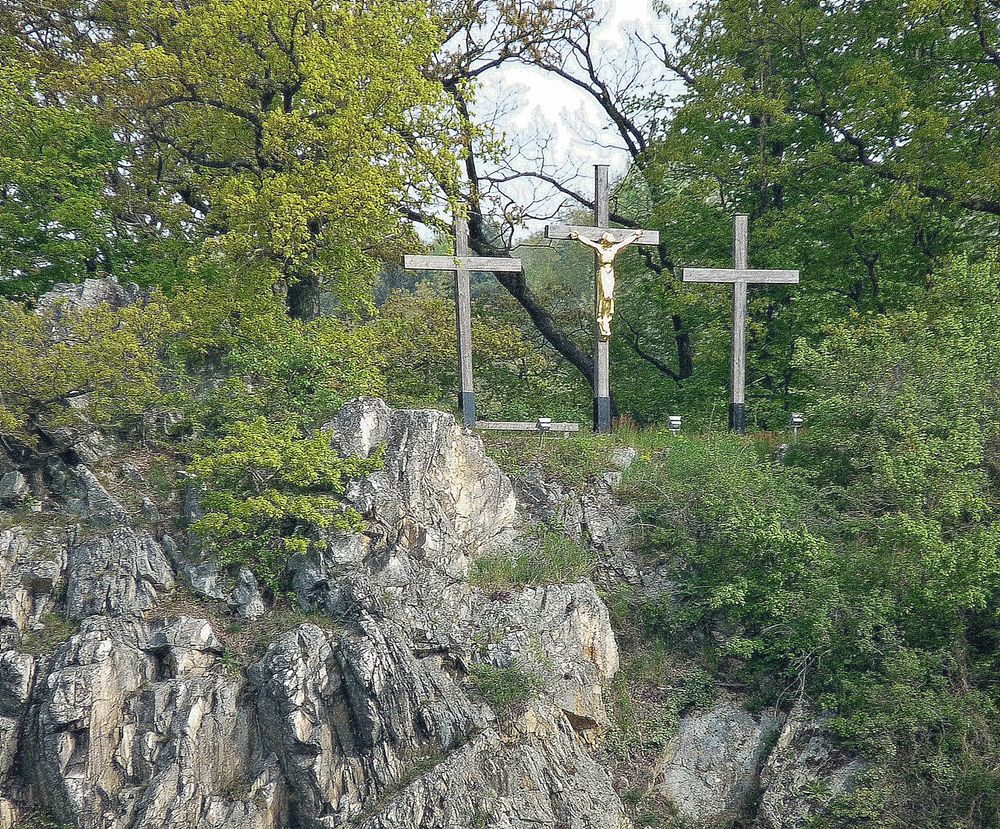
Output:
x=463 y=324
x=649 y=237
x=462 y=263
x=736 y=275
x=525 y=426
x=741 y=263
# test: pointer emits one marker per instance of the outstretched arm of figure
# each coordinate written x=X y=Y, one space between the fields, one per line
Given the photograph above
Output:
x=628 y=240
x=590 y=244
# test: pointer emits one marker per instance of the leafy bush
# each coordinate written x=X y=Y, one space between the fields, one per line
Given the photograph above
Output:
x=556 y=558
x=100 y=367
x=865 y=573
x=270 y=492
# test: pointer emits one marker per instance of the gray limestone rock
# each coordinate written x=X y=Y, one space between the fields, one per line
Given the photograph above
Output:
x=137 y=725
x=348 y=715
x=67 y=296
x=116 y=574
x=13 y=489
x=543 y=779
x=17 y=676
x=32 y=569
x=563 y=632
x=360 y=426
x=803 y=773
x=140 y=720
x=437 y=502
x=711 y=768
x=246 y=597
x=84 y=494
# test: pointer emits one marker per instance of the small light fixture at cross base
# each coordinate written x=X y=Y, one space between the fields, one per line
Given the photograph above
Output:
x=544 y=425
x=674 y=424
x=795 y=420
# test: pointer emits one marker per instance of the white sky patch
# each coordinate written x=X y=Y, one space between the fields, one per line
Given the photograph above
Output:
x=531 y=106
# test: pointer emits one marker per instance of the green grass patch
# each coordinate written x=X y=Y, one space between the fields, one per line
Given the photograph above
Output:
x=556 y=559
x=506 y=689
x=571 y=461
x=43 y=642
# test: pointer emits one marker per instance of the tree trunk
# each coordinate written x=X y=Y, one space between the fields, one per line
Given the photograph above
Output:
x=303 y=298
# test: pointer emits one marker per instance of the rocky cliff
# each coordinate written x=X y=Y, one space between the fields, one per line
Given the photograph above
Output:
x=140 y=686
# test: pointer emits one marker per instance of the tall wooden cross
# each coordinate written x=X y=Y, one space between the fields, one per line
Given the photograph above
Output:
x=740 y=277
x=615 y=236
x=462 y=263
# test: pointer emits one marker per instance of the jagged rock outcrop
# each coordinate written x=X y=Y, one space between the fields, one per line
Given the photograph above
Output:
x=804 y=773
x=137 y=725
x=545 y=778
x=710 y=770
x=117 y=574
x=13 y=489
x=32 y=568
x=140 y=718
x=349 y=715
x=130 y=699
x=89 y=293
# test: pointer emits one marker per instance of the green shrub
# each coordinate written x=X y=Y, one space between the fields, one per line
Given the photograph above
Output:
x=557 y=558
x=269 y=492
x=102 y=370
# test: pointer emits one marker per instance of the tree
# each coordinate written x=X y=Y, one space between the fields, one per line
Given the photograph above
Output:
x=859 y=136
x=279 y=135
x=65 y=372
x=55 y=216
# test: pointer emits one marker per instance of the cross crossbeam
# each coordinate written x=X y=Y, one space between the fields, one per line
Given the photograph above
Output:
x=739 y=277
x=561 y=232
x=462 y=264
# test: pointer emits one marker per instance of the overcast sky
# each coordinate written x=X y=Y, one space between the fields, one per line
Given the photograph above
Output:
x=534 y=103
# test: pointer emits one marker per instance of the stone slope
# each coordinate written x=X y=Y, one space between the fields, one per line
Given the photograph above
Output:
x=137 y=719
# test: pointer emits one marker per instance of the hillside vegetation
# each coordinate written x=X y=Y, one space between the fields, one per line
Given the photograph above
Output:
x=203 y=209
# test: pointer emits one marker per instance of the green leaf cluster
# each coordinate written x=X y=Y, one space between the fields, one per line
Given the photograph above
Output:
x=270 y=493
x=66 y=371
x=863 y=571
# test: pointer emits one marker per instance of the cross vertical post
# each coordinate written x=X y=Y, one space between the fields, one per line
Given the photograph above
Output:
x=602 y=346
x=462 y=264
x=740 y=276
x=737 y=392
x=606 y=242
x=463 y=325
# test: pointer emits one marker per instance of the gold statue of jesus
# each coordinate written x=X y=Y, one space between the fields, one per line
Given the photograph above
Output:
x=606 y=249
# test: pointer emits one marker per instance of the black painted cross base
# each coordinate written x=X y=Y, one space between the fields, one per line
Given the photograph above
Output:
x=467 y=405
x=602 y=415
x=738 y=418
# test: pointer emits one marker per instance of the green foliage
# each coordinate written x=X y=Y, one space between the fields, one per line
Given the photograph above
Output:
x=40 y=818
x=273 y=366
x=508 y=688
x=56 y=630
x=270 y=493
x=572 y=460
x=55 y=216
x=739 y=530
x=66 y=370
x=866 y=572
x=284 y=133
x=556 y=558
x=514 y=378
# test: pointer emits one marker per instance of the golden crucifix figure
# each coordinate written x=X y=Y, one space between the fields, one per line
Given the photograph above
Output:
x=607 y=250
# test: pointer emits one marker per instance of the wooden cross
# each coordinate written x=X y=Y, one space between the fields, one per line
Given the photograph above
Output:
x=463 y=264
x=602 y=208
x=739 y=277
